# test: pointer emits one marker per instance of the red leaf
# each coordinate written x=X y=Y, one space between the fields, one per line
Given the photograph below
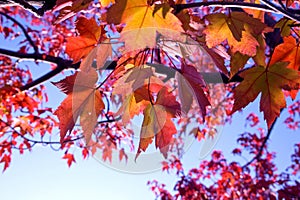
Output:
x=6 y=159
x=70 y=158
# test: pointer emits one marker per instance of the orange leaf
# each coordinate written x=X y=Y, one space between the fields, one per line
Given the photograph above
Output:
x=157 y=123
x=288 y=51
x=106 y=3
x=143 y=23
x=269 y=82
x=133 y=87
x=255 y=13
x=238 y=29
x=80 y=46
x=70 y=158
x=83 y=100
x=6 y=159
x=129 y=108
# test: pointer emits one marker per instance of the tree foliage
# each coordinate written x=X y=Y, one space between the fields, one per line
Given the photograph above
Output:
x=184 y=67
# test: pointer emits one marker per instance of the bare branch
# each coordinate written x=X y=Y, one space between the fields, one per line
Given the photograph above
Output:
x=267 y=7
x=260 y=151
x=23 y=29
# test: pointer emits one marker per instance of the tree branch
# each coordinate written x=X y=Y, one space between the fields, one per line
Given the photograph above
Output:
x=267 y=7
x=23 y=29
x=60 y=63
x=209 y=77
x=29 y=5
x=260 y=151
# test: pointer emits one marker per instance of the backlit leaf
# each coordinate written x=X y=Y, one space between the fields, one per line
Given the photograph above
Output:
x=288 y=51
x=80 y=46
x=157 y=122
x=83 y=101
x=193 y=82
x=269 y=82
x=238 y=29
x=142 y=23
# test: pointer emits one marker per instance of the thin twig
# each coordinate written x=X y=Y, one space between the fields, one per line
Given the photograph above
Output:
x=261 y=148
x=60 y=63
x=23 y=29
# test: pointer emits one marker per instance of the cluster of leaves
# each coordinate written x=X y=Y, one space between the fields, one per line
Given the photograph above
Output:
x=182 y=69
x=219 y=178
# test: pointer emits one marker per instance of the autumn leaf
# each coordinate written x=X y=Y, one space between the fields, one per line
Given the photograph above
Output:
x=106 y=3
x=70 y=158
x=135 y=91
x=6 y=159
x=288 y=51
x=157 y=122
x=122 y=155
x=284 y=25
x=191 y=84
x=80 y=46
x=237 y=62
x=100 y=53
x=129 y=108
x=269 y=82
x=256 y=13
x=239 y=29
x=143 y=22
x=83 y=101
x=136 y=77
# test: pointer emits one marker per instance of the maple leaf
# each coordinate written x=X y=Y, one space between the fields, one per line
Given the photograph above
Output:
x=83 y=100
x=80 y=46
x=157 y=122
x=143 y=22
x=191 y=84
x=269 y=82
x=238 y=29
x=133 y=87
x=101 y=53
x=6 y=159
x=288 y=51
x=70 y=158
x=129 y=108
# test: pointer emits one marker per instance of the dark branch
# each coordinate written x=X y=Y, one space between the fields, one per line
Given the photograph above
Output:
x=22 y=3
x=267 y=7
x=209 y=77
x=60 y=63
x=260 y=151
x=23 y=29
x=44 y=5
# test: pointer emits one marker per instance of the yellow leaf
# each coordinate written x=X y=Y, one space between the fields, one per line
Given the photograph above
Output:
x=142 y=24
x=106 y=3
